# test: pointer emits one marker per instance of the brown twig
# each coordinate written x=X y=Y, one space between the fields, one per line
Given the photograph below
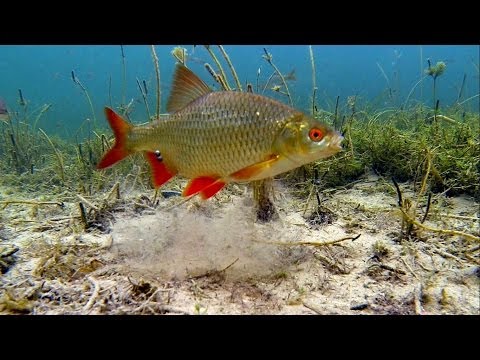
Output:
x=30 y=202
x=93 y=297
x=417 y=298
x=442 y=231
x=409 y=268
x=81 y=198
x=312 y=307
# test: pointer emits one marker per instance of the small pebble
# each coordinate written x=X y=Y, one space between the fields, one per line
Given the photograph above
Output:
x=359 y=306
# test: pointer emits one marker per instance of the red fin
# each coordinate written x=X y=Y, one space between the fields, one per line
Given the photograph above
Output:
x=252 y=170
x=160 y=173
x=212 y=190
x=207 y=186
x=120 y=128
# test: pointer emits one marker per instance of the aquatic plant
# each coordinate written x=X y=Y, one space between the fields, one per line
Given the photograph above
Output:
x=77 y=81
x=269 y=59
x=314 y=80
x=232 y=69
x=180 y=53
x=435 y=72
x=20 y=145
x=221 y=77
x=124 y=77
x=394 y=143
x=157 y=77
x=144 y=97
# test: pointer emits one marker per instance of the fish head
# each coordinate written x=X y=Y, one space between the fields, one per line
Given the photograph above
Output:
x=304 y=139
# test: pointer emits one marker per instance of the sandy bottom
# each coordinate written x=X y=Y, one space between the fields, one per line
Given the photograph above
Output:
x=213 y=257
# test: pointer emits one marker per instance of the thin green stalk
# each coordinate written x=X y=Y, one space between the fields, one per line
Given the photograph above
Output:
x=232 y=69
x=421 y=73
x=220 y=68
x=110 y=90
x=470 y=98
x=314 y=80
x=268 y=82
x=124 y=76
x=144 y=97
x=460 y=93
x=44 y=109
x=411 y=91
x=258 y=76
x=157 y=75
x=77 y=81
x=217 y=77
x=268 y=57
x=57 y=154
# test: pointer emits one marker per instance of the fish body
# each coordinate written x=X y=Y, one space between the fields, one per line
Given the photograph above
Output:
x=215 y=138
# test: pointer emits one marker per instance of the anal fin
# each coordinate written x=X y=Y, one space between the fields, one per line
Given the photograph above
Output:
x=160 y=173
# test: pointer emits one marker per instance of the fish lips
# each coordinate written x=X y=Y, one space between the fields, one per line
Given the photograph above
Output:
x=336 y=142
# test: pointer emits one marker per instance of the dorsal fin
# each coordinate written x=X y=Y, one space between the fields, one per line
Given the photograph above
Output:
x=186 y=87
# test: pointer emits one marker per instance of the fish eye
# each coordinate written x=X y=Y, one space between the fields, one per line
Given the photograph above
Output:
x=315 y=134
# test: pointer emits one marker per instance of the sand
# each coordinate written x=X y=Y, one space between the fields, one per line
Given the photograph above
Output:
x=213 y=257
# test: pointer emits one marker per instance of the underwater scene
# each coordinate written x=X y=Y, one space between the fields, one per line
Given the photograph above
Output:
x=239 y=179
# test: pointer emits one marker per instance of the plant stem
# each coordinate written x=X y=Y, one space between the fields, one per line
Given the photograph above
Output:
x=157 y=75
x=124 y=76
x=314 y=80
x=57 y=154
x=268 y=58
x=220 y=68
x=144 y=97
x=232 y=69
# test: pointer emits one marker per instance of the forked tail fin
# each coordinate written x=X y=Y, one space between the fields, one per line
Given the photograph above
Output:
x=121 y=129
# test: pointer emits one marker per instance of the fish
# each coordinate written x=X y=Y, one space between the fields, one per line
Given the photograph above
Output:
x=217 y=137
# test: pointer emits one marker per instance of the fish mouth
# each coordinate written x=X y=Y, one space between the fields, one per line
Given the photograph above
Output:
x=336 y=142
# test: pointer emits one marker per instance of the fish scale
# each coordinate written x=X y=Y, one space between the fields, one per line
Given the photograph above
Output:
x=218 y=134
x=218 y=137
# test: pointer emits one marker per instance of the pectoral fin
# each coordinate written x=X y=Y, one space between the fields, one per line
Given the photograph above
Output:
x=256 y=171
x=160 y=173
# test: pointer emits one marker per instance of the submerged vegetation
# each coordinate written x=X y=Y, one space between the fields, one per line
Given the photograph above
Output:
x=435 y=150
x=403 y=143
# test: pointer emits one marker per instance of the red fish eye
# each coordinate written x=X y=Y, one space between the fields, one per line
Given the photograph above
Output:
x=315 y=134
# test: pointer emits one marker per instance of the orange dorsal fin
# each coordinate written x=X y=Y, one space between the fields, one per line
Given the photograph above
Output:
x=160 y=173
x=205 y=185
x=186 y=87
x=120 y=129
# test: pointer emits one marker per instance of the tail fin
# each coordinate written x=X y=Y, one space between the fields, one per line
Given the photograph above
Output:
x=120 y=128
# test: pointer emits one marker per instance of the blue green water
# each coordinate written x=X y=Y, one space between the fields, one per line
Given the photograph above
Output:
x=382 y=75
